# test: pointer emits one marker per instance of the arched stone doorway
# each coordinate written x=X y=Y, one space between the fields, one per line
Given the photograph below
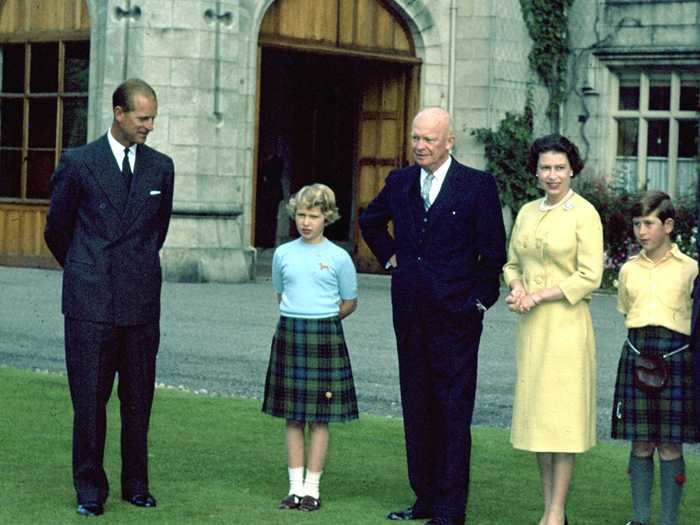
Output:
x=337 y=87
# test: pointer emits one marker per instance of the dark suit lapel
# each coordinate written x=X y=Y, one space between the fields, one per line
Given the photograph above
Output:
x=143 y=181
x=450 y=191
x=104 y=167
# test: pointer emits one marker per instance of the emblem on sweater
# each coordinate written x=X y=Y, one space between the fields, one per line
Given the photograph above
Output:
x=323 y=266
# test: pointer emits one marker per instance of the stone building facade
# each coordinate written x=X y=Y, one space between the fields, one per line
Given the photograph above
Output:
x=215 y=65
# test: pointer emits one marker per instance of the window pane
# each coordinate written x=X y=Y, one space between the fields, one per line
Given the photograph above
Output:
x=11 y=122
x=660 y=92
x=74 y=122
x=40 y=165
x=42 y=123
x=629 y=91
x=690 y=94
x=44 y=69
x=657 y=138
x=77 y=67
x=687 y=138
x=657 y=175
x=627 y=137
x=10 y=172
x=12 y=58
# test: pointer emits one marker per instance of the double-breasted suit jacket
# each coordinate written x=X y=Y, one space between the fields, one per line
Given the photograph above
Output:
x=107 y=238
x=449 y=260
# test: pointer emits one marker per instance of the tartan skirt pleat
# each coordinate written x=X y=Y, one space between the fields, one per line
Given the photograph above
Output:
x=667 y=416
x=309 y=378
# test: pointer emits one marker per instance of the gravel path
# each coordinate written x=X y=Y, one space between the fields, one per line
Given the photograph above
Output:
x=216 y=338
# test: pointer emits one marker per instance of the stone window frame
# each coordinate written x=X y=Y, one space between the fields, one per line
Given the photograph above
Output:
x=673 y=184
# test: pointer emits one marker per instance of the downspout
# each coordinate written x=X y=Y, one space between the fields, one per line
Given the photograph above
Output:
x=452 y=58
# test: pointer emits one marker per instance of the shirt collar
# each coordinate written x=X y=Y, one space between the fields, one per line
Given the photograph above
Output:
x=439 y=173
x=673 y=252
x=118 y=149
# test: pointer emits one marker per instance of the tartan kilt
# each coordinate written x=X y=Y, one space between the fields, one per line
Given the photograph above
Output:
x=309 y=378
x=664 y=417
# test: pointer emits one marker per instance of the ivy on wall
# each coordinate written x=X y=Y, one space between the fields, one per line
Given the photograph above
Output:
x=547 y=23
x=506 y=150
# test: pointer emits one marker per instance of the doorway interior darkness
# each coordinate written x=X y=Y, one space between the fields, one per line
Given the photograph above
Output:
x=309 y=110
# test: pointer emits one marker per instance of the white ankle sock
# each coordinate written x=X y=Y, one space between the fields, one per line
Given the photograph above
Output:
x=312 y=484
x=296 y=481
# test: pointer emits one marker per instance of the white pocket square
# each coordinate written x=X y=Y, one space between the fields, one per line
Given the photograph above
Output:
x=154 y=192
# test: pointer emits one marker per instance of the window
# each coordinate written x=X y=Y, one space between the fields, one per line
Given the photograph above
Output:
x=656 y=126
x=43 y=109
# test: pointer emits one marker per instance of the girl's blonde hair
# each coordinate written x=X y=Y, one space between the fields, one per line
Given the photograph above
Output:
x=312 y=196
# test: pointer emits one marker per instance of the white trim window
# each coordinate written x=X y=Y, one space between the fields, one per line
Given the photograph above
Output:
x=655 y=127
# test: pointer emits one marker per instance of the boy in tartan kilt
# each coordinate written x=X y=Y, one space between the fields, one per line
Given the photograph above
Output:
x=654 y=294
x=309 y=379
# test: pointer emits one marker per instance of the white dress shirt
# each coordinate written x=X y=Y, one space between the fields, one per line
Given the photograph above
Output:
x=118 y=151
x=439 y=175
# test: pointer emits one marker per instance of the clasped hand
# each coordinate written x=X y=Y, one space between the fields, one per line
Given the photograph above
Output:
x=519 y=301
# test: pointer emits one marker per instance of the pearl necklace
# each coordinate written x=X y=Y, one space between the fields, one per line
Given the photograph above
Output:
x=547 y=207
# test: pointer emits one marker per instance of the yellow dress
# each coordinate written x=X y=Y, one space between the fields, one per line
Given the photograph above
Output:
x=554 y=408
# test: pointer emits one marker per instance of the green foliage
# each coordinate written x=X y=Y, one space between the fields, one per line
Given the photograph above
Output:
x=547 y=23
x=506 y=151
x=614 y=207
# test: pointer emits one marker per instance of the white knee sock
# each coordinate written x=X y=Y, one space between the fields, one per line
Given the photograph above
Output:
x=296 y=481
x=312 y=484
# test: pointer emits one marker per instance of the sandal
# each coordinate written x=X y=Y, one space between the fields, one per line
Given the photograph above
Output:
x=291 y=501
x=309 y=504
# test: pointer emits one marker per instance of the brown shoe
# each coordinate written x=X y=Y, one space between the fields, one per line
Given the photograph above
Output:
x=309 y=504
x=289 y=502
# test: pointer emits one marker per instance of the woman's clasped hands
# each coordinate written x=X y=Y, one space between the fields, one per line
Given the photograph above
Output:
x=519 y=301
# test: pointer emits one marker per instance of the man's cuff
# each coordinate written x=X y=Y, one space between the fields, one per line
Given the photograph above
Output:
x=480 y=306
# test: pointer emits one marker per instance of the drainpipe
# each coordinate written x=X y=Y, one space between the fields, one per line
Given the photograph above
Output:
x=452 y=58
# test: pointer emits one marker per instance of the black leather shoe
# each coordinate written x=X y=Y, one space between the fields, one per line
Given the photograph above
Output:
x=141 y=500
x=407 y=514
x=90 y=509
x=445 y=521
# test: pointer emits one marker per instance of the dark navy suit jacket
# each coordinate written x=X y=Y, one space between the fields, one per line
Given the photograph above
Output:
x=453 y=259
x=106 y=238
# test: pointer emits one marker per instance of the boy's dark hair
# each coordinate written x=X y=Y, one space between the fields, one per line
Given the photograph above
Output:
x=558 y=143
x=651 y=202
x=123 y=96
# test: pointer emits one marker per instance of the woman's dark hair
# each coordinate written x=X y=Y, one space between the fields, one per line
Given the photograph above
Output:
x=558 y=143
x=123 y=96
x=651 y=202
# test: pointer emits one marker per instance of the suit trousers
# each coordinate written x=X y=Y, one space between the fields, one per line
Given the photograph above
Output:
x=437 y=371
x=95 y=353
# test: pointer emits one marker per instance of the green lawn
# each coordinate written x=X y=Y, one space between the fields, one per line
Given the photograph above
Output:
x=219 y=460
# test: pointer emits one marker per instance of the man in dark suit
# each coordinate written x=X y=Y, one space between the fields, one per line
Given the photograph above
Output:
x=110 y=208
x=445 y=256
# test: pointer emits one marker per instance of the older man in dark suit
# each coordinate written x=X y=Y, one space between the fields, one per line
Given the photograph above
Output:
x=445 y=256
x=111 y=202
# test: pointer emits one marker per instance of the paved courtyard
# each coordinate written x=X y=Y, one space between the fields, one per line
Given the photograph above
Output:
x=216 y=338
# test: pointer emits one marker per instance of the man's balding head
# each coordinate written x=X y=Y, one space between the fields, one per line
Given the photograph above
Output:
x=432 y=138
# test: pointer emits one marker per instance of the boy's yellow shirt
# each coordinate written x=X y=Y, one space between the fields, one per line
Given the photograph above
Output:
x=657 y=294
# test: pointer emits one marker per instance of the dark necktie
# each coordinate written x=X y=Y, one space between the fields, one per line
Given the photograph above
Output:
x=126 y=169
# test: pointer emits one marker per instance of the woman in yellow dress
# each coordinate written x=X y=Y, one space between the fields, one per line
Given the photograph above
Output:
x=555 y=261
